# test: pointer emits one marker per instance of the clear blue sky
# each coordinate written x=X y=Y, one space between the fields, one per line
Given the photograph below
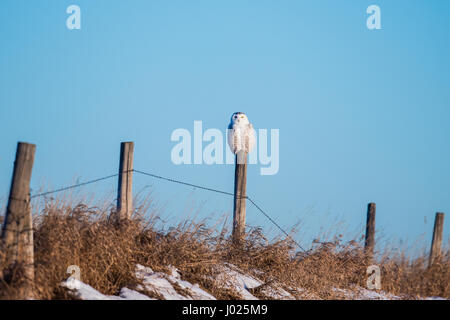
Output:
x=363 y=115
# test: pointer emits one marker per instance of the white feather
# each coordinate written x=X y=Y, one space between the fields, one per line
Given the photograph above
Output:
x=241 y=135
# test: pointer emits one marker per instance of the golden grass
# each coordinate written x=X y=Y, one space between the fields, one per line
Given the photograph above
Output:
x=76 y=234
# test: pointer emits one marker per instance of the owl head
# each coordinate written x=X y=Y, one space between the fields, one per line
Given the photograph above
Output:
x=239 y=118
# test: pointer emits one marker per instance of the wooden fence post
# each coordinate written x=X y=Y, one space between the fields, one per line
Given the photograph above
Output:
x=370 y=230
x=240 y=182
x=436 y=243
x=17 y=235
x=125 y=189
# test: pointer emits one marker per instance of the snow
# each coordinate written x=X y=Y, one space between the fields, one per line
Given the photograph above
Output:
x=232 y=278
x=359 y=293
x=83 y=291
x=170 y=286
x=434 y=298
x=162 y=284
x=128 y=294
x=277 y=293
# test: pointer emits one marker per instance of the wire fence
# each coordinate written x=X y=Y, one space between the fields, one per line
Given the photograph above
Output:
x=173 y=181
x=73 y=186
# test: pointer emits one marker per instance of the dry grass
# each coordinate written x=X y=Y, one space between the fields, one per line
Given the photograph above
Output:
x=67 y=234
x=413 y=277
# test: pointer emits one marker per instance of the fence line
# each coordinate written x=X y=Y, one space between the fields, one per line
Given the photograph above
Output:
x=73 y=186
x=182 y=182
x=17 y=236
x=271 y=220
x=174 y=181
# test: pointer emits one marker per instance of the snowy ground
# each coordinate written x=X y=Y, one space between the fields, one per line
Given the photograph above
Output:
x=172 y=287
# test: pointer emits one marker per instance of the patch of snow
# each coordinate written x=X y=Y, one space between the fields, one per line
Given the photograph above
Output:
x=83 y=291
x=276 y=292
x=161 y=284
x=155 y=282
x=232 y=278
x=129 y=294
x=229 y=277
x=359 y=293
x=174 y=272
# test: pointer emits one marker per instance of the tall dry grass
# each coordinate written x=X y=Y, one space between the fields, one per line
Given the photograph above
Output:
x=71 y=233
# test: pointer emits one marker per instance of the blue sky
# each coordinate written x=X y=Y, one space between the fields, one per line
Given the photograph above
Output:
x=363 y=115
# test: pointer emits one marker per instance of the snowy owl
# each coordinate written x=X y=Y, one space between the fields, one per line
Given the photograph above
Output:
x=241 y=135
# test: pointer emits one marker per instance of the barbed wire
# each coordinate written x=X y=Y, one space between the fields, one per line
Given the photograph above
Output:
x=184 y=183
x=276 y=224
x=73 y=186
x=174 y=181
x=223 y=192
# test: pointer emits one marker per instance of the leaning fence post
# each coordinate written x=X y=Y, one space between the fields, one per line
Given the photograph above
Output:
x=436 y=243
x=17 y=235
x=240 y=182
x=125 y=188
x=370 y=230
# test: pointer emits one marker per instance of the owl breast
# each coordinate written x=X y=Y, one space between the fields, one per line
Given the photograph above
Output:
x=241 y=138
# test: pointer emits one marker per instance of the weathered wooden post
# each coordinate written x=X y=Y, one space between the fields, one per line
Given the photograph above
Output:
x=436 y=243
x=17 y=235
x=370 y=230
x=125 y=188
x=240 y=182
